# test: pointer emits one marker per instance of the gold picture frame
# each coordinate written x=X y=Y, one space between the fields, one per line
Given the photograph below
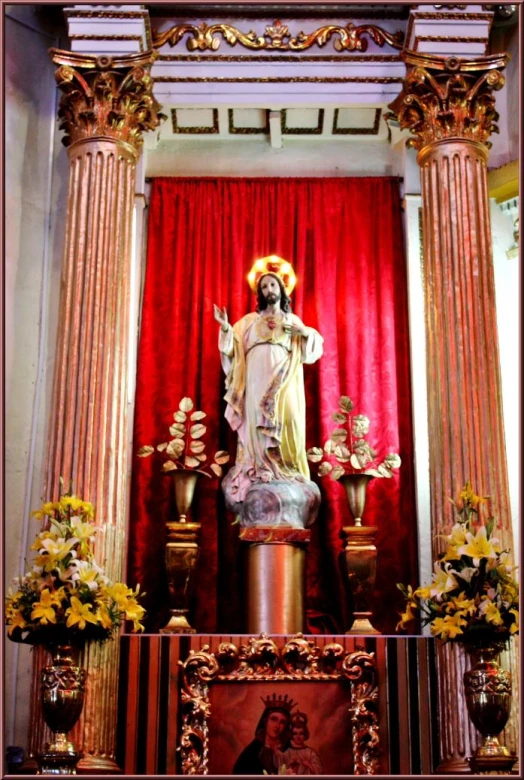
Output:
x=261 y=660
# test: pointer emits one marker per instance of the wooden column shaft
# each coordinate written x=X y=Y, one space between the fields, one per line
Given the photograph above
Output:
x=448 y=105
x=106 y=105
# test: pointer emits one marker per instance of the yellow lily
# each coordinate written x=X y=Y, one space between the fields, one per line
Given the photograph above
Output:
x=478 y=546
x=46 y=510
x=16 y=620
x=469 y=498
x=513 y=629
x=119 y=593
x=43 y=610
x=59 y=548
x=103 y=616
x=79 y=614
x=461 y=605
x=406 y=617
x=490 y=612
x=447 y=627
x=443 y=581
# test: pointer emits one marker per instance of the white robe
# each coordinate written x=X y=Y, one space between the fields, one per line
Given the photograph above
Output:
x=266 y=401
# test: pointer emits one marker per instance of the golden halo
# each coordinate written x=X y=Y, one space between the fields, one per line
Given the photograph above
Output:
x=272 y=264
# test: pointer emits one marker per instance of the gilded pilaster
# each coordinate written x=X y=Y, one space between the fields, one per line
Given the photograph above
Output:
x=449 y=107
x=106 y=105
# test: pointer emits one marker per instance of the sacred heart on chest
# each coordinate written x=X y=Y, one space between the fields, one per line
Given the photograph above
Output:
x=271 y=323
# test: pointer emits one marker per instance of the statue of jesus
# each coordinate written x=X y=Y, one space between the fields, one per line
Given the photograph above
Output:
x=262 y=356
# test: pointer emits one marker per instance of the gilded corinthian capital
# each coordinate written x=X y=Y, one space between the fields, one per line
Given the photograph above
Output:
x=106 y=97
x=448 y=97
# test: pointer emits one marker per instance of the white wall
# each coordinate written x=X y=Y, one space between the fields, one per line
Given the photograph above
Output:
x=31 y=295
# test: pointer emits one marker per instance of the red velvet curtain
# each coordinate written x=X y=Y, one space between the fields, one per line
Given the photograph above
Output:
x=344 y=238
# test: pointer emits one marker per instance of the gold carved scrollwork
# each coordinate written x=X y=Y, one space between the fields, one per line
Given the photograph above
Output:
x=108 y=97
x=276 y=37
x=359 y=667
x=261 y=659
x=447 y=97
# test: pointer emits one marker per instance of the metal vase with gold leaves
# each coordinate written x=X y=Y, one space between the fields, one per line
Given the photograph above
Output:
x=62 y=696
x=360 y=554
x=488 y=699
x=181 y=555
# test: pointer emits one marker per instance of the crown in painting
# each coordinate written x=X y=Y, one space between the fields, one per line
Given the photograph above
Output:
x=277 y=266
x=278 y=702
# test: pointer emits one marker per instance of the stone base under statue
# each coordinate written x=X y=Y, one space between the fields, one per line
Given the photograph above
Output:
x=274 y=518
x=275 y=572
x=276 y=504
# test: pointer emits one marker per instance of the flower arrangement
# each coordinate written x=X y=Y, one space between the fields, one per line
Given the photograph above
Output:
x=65 y=598
x=348 y=448
x=473 y=597
x=186 y=450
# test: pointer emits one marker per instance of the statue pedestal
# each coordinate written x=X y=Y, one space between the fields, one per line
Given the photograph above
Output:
x=275 y=573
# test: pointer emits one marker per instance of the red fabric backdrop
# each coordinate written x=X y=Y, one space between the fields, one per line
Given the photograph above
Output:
x=344 y=238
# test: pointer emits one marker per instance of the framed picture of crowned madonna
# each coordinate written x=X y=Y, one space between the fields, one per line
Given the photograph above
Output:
x=298 y=708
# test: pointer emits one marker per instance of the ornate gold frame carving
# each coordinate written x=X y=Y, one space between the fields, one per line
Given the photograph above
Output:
x=199 y=130
x=285 y=130
x=356 y=130
x=276 y=37
x=261 y=659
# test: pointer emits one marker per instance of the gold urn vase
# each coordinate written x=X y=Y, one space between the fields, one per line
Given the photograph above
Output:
x=488 y=699
x=181 y=553
x=360 y=554
x=62 y=696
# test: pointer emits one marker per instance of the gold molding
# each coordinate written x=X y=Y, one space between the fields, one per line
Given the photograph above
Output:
x=201 y=130
x=357 y=130
x=109 y=38
x=450 y=38
x=476 y=17
x=106 y=97
x=278 y=58
x=69 y=14
x=448 y=97
x=503 y=182
x=276 y=37
x=261 y=660
x=280 y=80
x=480 y=17
x=246 y=130
x=285 y=130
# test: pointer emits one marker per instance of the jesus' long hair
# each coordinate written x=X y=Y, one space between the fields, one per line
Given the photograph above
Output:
x=285 y=300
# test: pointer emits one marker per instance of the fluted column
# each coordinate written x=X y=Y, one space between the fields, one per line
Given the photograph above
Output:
x=449 y=106
x=106 y=105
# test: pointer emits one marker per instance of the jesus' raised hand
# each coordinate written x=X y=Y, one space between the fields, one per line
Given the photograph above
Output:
x=221 y=316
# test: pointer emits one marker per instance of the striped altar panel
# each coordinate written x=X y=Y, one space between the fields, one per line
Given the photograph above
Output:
x=149 y=710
